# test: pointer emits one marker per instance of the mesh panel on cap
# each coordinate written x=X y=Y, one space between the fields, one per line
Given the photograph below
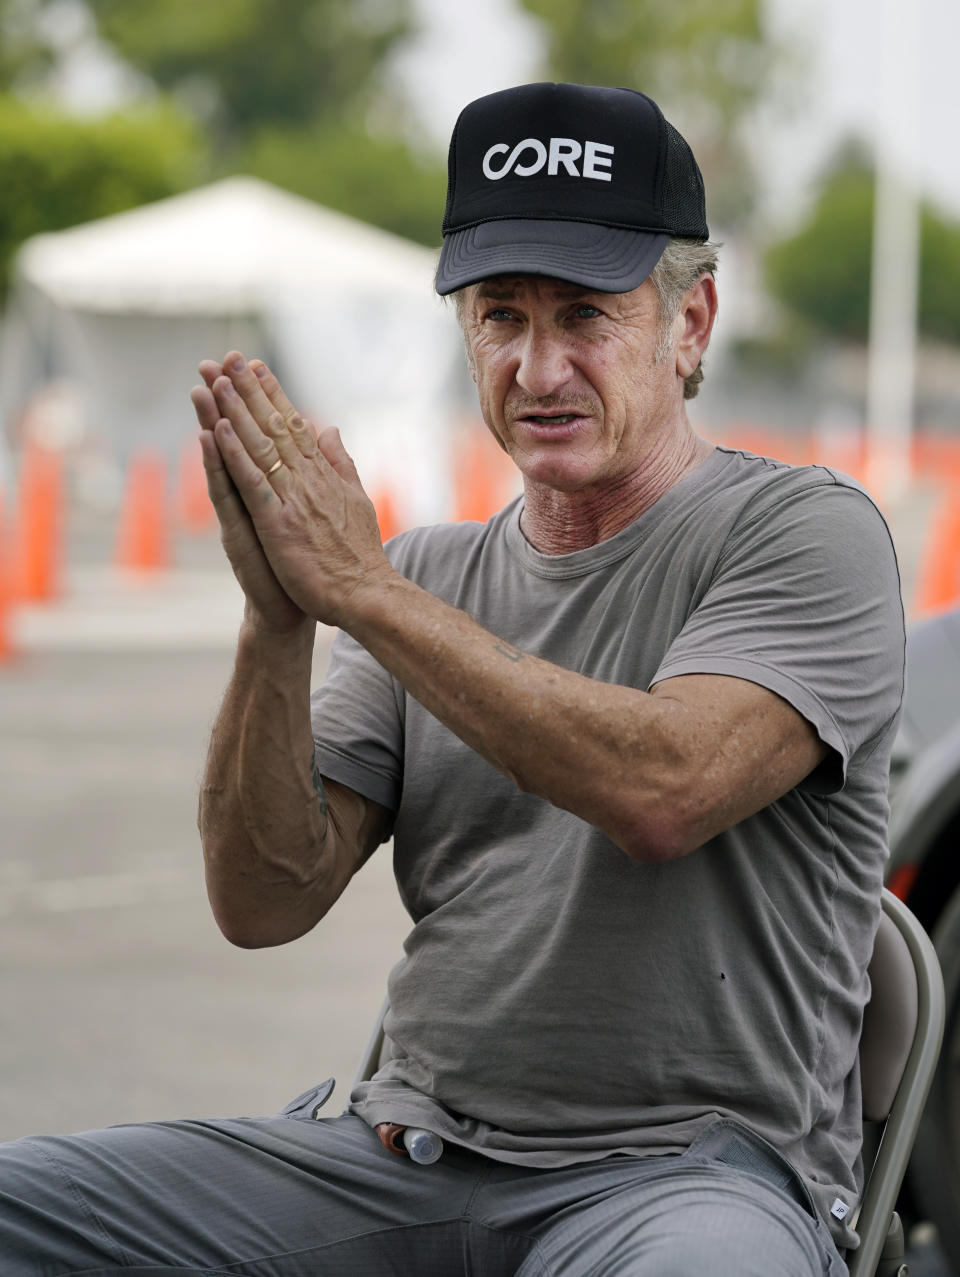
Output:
x=682 y=189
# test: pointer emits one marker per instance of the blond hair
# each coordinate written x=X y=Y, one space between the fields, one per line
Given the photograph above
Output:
x=682 y=263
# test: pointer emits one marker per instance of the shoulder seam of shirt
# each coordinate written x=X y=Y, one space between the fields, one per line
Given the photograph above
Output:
x=816 y=477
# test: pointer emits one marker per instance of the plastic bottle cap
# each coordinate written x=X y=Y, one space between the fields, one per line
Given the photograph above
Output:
x=423 y=1146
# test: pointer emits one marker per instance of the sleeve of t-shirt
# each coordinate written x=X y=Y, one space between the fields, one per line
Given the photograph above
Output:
x=805 y=601
x=357 y=715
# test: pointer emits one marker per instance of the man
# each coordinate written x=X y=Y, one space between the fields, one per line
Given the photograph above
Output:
x=630 y=739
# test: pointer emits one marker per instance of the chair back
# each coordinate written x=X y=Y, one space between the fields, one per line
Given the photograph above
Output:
x=374 y=1052
x=889 y=1020
x=899 y=1047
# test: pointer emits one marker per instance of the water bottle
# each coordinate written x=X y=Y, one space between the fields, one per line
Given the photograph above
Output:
x=423 y=1146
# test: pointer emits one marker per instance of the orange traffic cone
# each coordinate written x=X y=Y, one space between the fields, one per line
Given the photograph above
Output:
x=39 y=530
x=195 y=511
x=7 y=648
x=937 y=458
x=482 y=478
x=938 y=586
x=387 y=517
x=143 y=538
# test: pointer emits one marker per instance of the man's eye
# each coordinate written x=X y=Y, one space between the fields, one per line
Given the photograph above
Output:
x=586 y=311
x=498 y=314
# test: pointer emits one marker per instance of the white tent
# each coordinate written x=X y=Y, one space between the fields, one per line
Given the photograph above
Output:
x=123 y=309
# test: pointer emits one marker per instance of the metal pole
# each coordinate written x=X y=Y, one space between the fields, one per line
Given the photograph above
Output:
x=895 y=265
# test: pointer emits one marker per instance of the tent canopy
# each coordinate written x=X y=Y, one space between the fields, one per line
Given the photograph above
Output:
x=120 y=311
x=221 y=249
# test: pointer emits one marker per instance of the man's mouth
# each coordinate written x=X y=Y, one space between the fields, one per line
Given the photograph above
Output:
x=560 y=419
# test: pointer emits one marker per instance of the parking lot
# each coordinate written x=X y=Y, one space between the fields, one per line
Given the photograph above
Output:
x=119 y=999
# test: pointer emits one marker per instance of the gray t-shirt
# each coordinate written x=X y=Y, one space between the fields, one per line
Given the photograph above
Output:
x=558 y=1001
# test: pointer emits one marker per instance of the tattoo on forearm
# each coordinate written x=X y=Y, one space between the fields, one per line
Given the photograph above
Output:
x=511 y=653
x=319 y=790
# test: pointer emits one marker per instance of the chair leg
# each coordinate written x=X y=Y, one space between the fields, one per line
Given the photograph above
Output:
x=891 y=1257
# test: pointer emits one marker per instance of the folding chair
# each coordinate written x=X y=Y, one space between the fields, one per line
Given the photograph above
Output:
x=899 y=1045
x=374 y=1053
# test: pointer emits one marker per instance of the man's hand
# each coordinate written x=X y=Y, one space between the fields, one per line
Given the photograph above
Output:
x=315 y=529
x=268 y=605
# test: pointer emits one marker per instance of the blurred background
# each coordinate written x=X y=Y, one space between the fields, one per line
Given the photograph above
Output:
x=177 y=178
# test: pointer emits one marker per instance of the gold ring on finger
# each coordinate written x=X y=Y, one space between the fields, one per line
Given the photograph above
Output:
x=275 y=467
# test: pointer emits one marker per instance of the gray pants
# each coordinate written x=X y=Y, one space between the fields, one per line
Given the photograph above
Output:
x=291 y=1196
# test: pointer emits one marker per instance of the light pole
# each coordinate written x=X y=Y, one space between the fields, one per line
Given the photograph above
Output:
x=891 y=371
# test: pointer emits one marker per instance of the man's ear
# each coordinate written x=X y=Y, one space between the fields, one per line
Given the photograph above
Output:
x=694 y=324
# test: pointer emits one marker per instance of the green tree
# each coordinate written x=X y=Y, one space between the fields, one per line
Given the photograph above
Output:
x=293 y=91
x=59 y=171
x=706 y=62
x=268 y=61
x=939 y=277
x=24 y=55
x=368 y=176
x=822 y=273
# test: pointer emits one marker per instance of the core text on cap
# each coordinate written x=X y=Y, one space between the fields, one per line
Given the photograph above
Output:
x=557 y=153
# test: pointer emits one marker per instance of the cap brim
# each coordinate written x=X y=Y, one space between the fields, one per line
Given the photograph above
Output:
x=604 y=258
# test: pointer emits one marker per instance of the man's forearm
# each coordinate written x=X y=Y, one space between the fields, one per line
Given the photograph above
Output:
x=263 y=814
x=660 y=773
x=578 y=742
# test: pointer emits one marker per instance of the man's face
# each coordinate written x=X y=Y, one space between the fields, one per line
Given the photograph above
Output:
x=568 y=379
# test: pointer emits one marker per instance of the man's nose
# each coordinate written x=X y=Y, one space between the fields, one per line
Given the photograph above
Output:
x=544 y=365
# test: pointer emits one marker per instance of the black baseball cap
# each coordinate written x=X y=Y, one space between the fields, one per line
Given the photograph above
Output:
x=577 y=182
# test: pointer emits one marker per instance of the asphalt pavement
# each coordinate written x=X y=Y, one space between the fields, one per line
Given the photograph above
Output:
x=119 y=999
